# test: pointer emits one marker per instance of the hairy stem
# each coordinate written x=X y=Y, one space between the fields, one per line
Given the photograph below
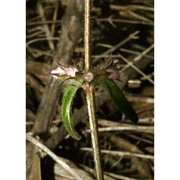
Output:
x=90 y=92
x=87 y=34
x=94 y=132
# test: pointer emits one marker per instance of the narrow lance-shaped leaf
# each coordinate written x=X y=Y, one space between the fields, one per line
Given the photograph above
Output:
x=66 y=107
x=119 y=99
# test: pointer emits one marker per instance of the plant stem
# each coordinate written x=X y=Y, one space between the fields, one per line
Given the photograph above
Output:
x=94 y=132
x=89 y=90
x=87 y=34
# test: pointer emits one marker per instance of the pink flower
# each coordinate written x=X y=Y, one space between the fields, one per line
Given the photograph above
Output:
x=113 y=74
x=71 y=71
x=61 y=71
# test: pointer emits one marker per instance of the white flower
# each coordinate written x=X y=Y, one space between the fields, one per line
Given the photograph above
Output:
x=61 y=71
x=58 y=72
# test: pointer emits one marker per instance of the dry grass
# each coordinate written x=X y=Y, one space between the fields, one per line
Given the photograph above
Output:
x=125 y=30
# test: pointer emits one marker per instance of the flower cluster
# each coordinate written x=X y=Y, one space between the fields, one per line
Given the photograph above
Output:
x=107 y=68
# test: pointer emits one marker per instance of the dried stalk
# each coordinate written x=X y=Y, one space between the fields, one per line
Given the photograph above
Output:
x=122 y=153
x=130 y=37
x=134 y=67
x=68 y=40
x=52 y=155
x=147 y=129
x=46 y=28
x=131 y=7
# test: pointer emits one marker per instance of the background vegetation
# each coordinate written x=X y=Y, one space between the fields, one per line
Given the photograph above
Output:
x=122 y=29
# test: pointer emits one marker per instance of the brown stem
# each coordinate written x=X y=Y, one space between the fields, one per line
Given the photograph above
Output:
x=87 y=35
x=89 y=90
x=94 y=132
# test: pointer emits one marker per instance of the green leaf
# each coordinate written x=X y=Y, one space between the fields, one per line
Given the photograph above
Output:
x=66 y=108
x=119 y=98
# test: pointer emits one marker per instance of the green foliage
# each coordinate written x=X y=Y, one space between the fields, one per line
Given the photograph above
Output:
x=119 y=99
x=66 y=107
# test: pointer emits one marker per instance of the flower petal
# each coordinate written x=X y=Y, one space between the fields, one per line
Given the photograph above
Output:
x=58 y=72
